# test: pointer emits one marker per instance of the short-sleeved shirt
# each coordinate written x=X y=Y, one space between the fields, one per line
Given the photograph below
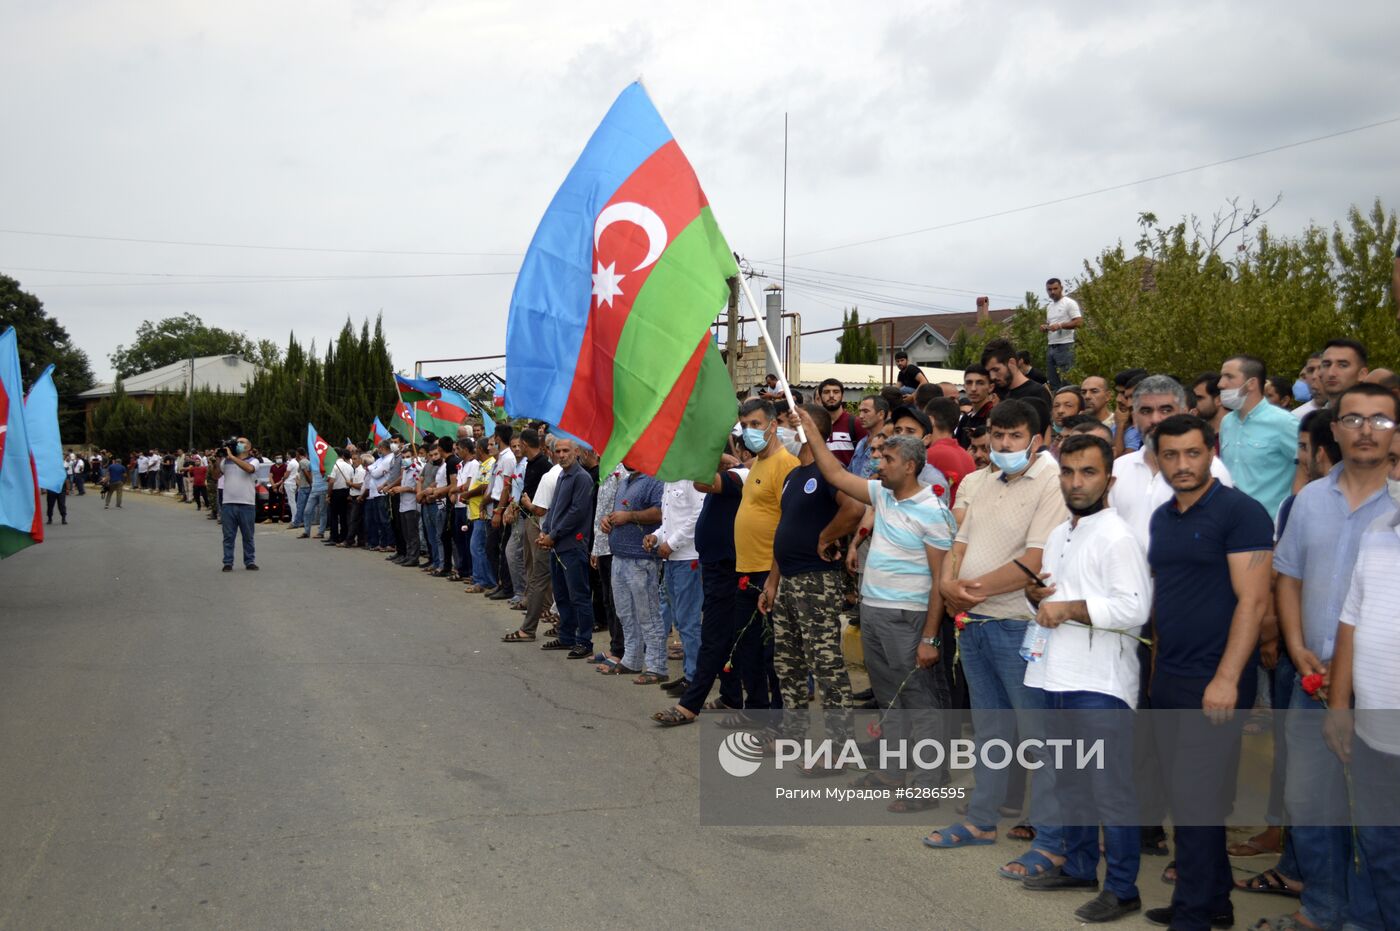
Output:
x=1261 y=452
x=809 y=504
x=846 y=432
x=1193 y=597
x=757 y=521
x=239 y=487
x=199 y=475
x=1318 y=546
x=714 y=528
x=116 y=472
x=481 y=478
x=1372 y=606
x=635 y=492
x=408 y=478
x=909 y=376
x=896 y=571
x=1062 y=311
x=1006 y=519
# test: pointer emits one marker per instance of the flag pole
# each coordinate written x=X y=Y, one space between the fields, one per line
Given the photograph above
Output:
x=773 y=357
x=412 y=416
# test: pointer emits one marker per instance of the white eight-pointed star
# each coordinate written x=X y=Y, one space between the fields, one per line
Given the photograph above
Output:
x=605 y=284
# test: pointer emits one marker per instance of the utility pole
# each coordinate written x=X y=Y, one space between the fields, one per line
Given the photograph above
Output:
x=190 y=391
x=732 y=333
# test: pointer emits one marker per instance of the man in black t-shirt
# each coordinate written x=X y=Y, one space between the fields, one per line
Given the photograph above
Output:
x=806 y=586
x=910 y=375
x=999 y=359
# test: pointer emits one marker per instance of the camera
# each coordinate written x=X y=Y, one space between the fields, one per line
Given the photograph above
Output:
x=226 y=447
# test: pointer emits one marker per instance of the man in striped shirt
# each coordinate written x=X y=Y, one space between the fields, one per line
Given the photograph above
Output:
x=901 y=608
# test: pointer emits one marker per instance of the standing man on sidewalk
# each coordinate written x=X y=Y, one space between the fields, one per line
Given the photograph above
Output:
x=239 y=501
x=1062 y=318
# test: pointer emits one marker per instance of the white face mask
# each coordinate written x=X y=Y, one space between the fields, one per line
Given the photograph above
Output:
x=788 y=437
x=1232 y=399
x=393 y=447
x=1393 y=487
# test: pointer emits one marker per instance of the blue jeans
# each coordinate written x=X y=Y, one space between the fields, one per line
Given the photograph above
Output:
x=1374 y=778
x=237 y=518
x=314 y=511
x=573 y=595
x=637 y=597
x=1059 y=359
x=482 y=573
x=1281 y=679
x=1108 y=790
x=461 y=541
x=995 y=672
x=302 y=494
x=376 y=522
x=1315 y=792
x=432 y=529
x=686 y=595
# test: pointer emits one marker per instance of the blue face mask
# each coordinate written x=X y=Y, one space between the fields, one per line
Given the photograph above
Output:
x=1301 y=391
x=755 y=440
x=242 y=448
x=1011 y=463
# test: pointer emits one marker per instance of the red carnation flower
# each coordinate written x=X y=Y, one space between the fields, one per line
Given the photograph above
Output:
x=579 y=537
x=625 y=502
x=960 y=621
x=1312 y=683
x=695 y=564
x=865 y=531
x=728 y=667
x=874 y=730
x=743 y=583
x=938 y=490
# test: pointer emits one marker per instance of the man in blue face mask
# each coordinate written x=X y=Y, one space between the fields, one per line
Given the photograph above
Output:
x=240 y=496
x=1013 y=518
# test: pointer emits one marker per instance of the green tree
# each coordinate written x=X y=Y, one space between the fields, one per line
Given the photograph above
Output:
x=176 y=338
x=120 y=423
x=857 y=343
x=42 y=342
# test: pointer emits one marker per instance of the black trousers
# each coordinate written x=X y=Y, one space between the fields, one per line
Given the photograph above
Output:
x=201 y=497
x=602 y=592
x=496 y=538
x=61 y=499
x=339 y=523
x=355 y=536
x=395 y=523
x=1193 y=756
x=717 y=629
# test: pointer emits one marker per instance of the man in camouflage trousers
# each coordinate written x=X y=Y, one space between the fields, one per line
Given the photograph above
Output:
x=805 y=590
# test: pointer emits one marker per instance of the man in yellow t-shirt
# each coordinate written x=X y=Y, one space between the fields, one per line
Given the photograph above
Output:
x=754 y=529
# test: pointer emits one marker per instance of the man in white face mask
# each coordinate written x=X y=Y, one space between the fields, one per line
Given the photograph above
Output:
x=1257 y=439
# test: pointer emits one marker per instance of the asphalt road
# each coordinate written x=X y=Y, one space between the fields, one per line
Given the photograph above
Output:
x=335 y=742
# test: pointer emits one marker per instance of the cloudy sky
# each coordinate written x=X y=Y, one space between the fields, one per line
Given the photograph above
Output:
x=400 y=154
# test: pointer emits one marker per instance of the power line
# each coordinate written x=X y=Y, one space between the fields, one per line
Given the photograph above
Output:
x=256 y=280
x=947 y=289
x=1097 y=191
x=235 y=245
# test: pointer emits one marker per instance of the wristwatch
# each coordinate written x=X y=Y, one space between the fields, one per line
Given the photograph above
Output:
x=932 y=641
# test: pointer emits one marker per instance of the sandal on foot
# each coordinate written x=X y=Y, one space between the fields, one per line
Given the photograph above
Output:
x=1022 y=832
x=649 y=678
x=1033 y=862
x=671 y=717
x=516 y=636
x=958 y=835
x=717 y=704
x=616 y=669
x=1169 y=873
x=1269 y=882
x=1252 y=848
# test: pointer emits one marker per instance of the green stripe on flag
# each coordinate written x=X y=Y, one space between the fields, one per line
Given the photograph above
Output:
x=680 y=299
x=709 y=416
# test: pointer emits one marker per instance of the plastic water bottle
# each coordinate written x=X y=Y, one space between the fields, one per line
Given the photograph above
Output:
x=1034 y=643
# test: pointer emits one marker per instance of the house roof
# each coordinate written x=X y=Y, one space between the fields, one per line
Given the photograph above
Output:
x=229 y=374
x=858 y=376
x=945 y=326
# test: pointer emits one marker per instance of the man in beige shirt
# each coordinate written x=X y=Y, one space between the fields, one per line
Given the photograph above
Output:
x=1007 y=521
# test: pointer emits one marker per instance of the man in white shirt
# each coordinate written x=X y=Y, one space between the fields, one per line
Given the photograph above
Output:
x=1139 y=488
x=1062 y=318
x=1098 y=597
x=290 y=483
x=238 y=484
x=674 y=542
x=499 y=492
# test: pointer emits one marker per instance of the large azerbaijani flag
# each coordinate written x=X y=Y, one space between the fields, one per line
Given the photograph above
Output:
x=20 y=519
x=322 y=456
x=415 y=389
x=608 y=335
x=45 y=443
x=442 y=416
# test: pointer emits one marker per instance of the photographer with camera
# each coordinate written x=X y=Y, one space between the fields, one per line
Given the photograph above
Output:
x=239 y=498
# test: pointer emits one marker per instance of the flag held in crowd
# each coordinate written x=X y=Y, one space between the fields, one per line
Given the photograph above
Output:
x=377 y=432
x=608 y=330
x=323 y=457
x=41 y=419
x=442 y=416
x=416 y=389
x=20 y=523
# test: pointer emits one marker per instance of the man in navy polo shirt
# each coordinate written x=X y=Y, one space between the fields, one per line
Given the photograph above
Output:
x=1209 y=551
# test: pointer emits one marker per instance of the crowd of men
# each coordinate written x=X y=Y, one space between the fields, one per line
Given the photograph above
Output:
x=1243 y=538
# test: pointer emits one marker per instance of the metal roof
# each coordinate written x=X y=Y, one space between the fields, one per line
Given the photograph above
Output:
x=229 y=374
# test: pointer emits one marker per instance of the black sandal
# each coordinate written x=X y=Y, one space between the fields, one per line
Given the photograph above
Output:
x=1269 y=882
x=516 y=636
x=671 y=718
x=1021 y=832
x=557 y=645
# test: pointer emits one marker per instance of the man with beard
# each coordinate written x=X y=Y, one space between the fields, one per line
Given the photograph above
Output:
x=978 y=386
x=1210 y=555
x=999 y=359
x=1139 y=488
x=846 y=431
x=1098 y=579
x=1206 y=405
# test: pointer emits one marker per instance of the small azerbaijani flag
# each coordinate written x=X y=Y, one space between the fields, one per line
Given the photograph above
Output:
x=377 y=432
x=608 y=337
x=21 y=522
x=442 y=417
x=403 y=421
x=416 y=389
x=322 y=456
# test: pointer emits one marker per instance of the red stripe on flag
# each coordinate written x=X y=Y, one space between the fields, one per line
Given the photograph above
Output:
x=651 y=447
x=666 y=184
